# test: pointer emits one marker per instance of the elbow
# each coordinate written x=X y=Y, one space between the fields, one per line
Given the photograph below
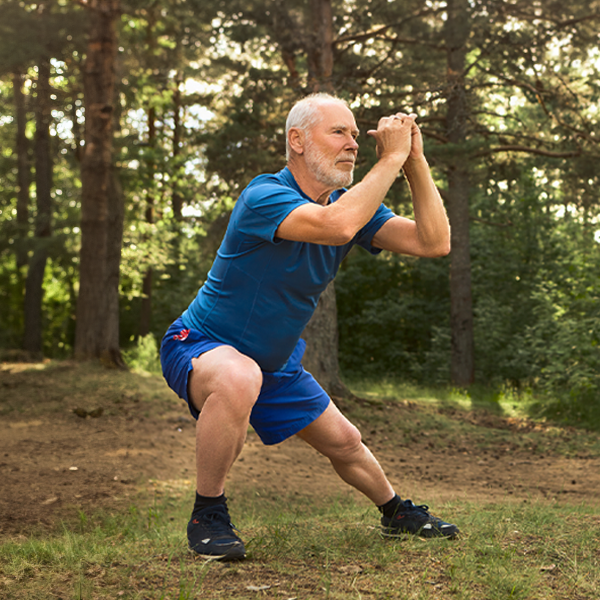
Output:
x=438 y=250
x=338 y=235
x=441 y=246
x=443 y=250
x=344 y=237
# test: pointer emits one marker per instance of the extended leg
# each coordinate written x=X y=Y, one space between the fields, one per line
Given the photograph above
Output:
x=340 y=441
x=337 y=439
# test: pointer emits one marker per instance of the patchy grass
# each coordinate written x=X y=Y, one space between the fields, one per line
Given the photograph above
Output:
x=303 y=547
x=477 y=418
x=530 y=551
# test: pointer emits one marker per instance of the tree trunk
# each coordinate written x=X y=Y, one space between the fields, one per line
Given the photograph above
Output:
x=177 y=200
x=23 y=170
x=321 y=333
x=34 y=291
x=461 y=316
x=321 y=336
x=146 y=303
x=320 y=51
x=96 y=173
x=111 y=352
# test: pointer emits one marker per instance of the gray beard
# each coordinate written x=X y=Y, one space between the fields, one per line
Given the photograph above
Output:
x=329 y=176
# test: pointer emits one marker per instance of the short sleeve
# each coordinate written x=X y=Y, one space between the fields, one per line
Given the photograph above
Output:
x=365 y=236
x=264 y=206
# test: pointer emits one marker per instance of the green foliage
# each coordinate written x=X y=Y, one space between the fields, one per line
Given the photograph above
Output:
x=204 y=88
x=144 y=356
x=388 y=307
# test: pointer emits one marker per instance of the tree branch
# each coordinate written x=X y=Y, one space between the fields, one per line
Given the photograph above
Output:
x=359 y=37
x=559 y=24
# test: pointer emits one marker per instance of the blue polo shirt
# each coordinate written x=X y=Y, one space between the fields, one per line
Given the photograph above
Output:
x=262 y=290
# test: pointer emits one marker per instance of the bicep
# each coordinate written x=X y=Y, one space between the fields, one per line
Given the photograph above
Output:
x=311 y=223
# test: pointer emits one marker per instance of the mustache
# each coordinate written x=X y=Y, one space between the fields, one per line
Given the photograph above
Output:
x=345 y=157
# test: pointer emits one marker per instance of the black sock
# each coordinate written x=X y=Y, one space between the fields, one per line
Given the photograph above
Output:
x=206 y=501
x=389 y=508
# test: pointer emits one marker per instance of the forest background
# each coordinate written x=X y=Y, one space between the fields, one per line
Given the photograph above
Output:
x=128 y=129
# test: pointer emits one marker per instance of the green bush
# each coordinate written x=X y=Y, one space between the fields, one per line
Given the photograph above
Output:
x=144 y=356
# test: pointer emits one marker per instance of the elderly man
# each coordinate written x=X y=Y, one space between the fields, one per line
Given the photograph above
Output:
x=235 y=353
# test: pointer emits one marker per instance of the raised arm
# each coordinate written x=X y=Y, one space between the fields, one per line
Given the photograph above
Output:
x=429 y=234
x=338 y=223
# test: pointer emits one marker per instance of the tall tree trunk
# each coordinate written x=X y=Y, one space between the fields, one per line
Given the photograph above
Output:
x=96 y=178
x=461 y=316
x=146 y=304
x=177 y=200
x=34 y=291
x=146 y=301
x=320 y=51
x=111 y=352
x=23 y=169
x=321 y=333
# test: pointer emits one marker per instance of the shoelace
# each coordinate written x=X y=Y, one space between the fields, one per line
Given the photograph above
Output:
x=217 y=522
x=409 y=504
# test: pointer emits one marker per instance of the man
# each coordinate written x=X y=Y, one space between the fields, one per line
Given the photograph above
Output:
x=234 y=355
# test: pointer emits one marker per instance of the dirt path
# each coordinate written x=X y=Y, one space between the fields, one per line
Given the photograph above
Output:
x=53 y=461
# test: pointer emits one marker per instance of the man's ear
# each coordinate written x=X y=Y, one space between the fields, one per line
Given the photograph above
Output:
x=296 y=140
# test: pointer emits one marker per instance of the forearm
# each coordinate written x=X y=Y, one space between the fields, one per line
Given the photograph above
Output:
x=433 y=229
x=356 y=207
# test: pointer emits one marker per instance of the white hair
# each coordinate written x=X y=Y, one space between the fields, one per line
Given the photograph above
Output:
x=305 y=114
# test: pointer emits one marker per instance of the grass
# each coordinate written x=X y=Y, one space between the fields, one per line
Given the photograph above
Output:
x=319 y=547
x=456 y=416
x=526 y=551
x=562 y=407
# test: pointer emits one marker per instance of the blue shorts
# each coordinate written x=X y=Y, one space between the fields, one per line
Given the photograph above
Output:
x=289 y=400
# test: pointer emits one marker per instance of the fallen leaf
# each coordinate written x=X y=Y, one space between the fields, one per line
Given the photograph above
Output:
x=257 y=588
x=548 y=567
x=50 y=500
x=350 y=569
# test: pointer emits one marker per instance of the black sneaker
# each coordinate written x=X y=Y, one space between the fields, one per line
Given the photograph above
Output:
x=417 y=520
x=212 y=536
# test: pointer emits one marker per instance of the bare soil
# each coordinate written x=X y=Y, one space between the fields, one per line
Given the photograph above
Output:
x=66 y=446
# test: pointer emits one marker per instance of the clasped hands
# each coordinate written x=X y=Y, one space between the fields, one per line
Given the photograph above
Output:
x=398 y=136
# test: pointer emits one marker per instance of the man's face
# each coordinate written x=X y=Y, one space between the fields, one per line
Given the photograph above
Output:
x=330 y=148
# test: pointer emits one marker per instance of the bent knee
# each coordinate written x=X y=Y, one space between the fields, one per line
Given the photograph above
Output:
x=242 y=378
x=227 y=375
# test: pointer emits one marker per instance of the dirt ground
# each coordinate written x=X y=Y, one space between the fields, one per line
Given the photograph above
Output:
x=54 y=461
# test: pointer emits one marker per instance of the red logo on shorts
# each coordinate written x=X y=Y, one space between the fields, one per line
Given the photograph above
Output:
x=182 y=335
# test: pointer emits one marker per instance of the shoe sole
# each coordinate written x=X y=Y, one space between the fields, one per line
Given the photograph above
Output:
x=227 y=557
x=403 y=535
